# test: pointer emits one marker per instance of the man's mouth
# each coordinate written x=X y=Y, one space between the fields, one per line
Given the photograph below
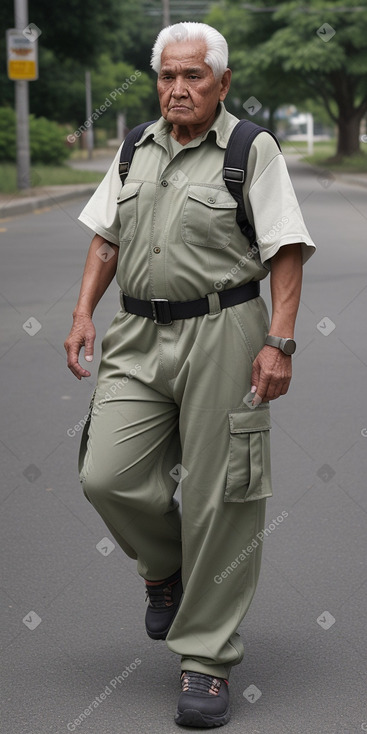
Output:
x=178 y=107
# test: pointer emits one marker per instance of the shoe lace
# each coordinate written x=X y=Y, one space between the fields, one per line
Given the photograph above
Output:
x=200 y=683
x=159 y=597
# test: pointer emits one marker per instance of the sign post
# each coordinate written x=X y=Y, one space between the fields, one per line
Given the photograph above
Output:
x=22 y=68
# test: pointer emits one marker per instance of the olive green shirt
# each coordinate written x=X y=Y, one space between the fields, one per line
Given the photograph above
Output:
x=175 y=220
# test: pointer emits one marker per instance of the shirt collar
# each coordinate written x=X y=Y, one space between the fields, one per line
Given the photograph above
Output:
x=221 y=129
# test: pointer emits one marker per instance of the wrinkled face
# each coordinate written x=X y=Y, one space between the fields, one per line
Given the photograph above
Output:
x=187 y=89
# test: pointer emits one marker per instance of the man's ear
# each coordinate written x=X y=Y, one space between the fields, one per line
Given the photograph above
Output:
x=225 y=84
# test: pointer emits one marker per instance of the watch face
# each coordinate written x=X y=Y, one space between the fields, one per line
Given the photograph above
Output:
x=289 y=346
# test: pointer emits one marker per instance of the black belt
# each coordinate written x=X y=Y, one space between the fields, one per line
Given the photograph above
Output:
x=163 y=312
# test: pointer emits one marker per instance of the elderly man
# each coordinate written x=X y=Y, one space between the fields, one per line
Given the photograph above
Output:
x=189 y=400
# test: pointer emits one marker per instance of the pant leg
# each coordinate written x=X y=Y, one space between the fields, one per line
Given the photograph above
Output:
x=127 y=452
x=225 y=454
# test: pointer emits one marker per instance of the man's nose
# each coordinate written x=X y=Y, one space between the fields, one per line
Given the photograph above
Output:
x=179 y=88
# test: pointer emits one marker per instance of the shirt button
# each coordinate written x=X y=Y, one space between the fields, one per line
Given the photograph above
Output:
x=211 y=200
x=164 y=183
x=156 y=250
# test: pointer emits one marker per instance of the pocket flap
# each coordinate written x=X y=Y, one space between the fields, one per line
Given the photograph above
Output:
x=128 y=191
x=251 y=421
x=213 y=198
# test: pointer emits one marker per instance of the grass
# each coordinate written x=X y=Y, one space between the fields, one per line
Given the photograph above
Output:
x=46 y=176
x=82 y=155
x=353 y=164
x=323 y=156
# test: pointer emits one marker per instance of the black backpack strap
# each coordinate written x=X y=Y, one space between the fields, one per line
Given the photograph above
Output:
x=235 y=169
x=128 y=148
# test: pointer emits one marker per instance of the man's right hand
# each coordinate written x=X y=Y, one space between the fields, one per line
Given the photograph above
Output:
x=82 y=334
x=98 y=273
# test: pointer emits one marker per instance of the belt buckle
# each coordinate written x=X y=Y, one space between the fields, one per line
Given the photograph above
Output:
x=156 y=309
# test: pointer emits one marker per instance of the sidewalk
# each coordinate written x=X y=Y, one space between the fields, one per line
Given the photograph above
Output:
x=358 y=179
x=44 y=196
x=41 y=197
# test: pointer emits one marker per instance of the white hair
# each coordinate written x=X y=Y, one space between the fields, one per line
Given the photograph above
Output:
x=217 y=48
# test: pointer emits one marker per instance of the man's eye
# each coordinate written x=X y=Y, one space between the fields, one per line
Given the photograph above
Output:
x=193 y=76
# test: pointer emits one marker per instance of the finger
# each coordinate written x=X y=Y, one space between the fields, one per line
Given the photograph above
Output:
x=276 y=389
x=262 y=387
x=285 y=387
x=255 y=374
x=89 y=348
x=73 y=364
x=256 y=397
x=257 y=400
x=79 y=371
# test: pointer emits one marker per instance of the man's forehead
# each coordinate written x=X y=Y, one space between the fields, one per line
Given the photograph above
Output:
x=188 y=54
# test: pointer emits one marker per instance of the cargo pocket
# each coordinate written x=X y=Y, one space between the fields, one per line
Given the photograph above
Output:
x=248 y=474
x=209 y=217
x=127 y=203
x=84 y=440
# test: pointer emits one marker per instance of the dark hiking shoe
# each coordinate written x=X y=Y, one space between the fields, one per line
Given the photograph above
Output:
x=164 y=599
x=204 y=701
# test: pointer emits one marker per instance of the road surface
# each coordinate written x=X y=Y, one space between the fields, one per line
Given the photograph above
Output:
x=72 y=633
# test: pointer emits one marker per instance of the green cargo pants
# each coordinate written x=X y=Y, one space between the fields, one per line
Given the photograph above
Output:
x=169 y=404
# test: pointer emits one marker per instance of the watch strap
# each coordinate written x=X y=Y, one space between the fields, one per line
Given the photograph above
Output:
x=280 y=343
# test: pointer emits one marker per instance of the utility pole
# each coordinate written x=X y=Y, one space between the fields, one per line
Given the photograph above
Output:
x=22 y=108
x=166 y=13
x=88 y=109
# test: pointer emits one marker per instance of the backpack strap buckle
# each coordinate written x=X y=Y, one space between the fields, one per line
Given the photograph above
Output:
x=237 y=175
x=123 y=170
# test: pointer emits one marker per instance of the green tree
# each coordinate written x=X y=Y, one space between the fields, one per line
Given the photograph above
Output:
x=289 y=53
x=328 y=50
x=124 y=86
x=70 y=28
x=74 y=35
x=246 y=32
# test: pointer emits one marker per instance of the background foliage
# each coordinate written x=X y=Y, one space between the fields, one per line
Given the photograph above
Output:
x=47 y=139
x=275 y=53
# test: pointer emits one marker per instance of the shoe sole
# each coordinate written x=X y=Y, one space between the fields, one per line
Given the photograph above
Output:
x=157 y=635
x=192 y=717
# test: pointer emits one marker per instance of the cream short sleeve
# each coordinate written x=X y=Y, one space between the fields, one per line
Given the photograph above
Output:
x=100 y=213
x=275 y=210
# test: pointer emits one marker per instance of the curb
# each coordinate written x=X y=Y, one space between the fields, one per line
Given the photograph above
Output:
x=32 y=203
x=354 y=181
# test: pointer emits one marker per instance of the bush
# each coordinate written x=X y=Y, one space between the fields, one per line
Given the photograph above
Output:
x=7 y=134
x=47 y=139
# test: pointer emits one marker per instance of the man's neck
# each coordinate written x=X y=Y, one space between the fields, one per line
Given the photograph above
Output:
x=185 y=133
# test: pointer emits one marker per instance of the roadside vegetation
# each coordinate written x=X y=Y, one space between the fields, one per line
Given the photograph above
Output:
x=323 y=156
x=42 y=175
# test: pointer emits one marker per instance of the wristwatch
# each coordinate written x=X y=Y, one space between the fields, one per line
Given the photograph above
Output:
x=287 y=346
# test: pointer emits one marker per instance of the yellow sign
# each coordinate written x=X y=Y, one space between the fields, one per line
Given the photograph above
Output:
x=22 y=56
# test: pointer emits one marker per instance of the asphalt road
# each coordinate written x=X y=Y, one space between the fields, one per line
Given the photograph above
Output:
x=73 y=612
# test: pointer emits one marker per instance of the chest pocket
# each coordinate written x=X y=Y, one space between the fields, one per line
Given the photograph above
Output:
x=209 y=217
x=127 y=203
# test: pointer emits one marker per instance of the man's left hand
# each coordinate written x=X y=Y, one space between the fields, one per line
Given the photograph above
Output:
x=271 y=374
